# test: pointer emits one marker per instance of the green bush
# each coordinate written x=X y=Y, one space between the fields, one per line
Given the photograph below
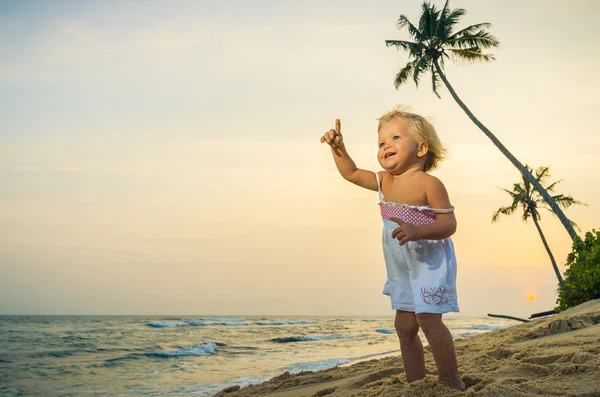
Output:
x=582 y=277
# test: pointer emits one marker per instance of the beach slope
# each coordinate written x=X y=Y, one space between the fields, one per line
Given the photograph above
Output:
x=553 y=356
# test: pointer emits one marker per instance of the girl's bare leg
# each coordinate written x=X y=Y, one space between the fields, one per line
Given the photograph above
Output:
x=411 y=347
x=442 y=347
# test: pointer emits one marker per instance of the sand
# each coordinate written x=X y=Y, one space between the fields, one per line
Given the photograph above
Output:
x=557 y=355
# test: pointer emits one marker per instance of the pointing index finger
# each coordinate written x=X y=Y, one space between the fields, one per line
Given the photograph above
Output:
x=338 y=126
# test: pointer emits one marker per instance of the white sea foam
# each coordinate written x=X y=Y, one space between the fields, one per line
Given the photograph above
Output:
x=206 y=322
x=224 y=319
x=164 y=324
x=317 y=365
x=206 y=349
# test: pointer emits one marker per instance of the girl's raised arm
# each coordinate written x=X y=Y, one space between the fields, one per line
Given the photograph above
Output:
x=344 y=162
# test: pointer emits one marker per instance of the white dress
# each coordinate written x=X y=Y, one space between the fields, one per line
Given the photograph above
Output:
x=421 y=275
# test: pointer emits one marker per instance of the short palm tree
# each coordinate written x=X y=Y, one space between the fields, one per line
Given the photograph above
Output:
x=530 y=201
x=434 y=41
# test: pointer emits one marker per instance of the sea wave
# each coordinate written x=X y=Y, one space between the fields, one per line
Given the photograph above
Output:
x=317 y=365
x=385 y=331
x=68 y=352
x=164 y=324
x=284 y=322
x=302 y=338
x=223 y=321
x=206 y=349
x=205 y=322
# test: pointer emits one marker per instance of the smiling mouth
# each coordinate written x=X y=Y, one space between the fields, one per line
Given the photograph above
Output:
x=389 y=155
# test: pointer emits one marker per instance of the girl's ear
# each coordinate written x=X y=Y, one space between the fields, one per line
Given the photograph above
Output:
x=422 y=149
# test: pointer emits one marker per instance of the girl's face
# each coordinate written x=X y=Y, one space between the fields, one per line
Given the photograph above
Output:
x=398 y=149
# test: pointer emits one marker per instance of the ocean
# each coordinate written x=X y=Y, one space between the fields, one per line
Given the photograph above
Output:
x=187 y=355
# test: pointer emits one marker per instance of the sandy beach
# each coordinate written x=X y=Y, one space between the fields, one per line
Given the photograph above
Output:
x=557 y=355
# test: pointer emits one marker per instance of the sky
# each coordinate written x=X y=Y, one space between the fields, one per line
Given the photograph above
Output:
x=163 y=157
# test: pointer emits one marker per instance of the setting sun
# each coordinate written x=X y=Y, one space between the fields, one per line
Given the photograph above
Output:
x=531 y=297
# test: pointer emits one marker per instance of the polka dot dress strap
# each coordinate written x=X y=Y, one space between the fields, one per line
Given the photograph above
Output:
x=379 y=187
x=442 y=210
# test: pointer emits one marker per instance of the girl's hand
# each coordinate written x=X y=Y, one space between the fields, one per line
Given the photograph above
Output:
x=334 y=137
x=405 y=232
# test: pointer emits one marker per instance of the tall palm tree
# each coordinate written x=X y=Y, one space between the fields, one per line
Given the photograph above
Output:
x=530 y=201
x=434 y=41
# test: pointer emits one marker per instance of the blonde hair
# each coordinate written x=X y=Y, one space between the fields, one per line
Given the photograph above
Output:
x=423 y=131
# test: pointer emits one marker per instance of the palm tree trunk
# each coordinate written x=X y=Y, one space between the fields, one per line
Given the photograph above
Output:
x=560 y=280
x=555 y=208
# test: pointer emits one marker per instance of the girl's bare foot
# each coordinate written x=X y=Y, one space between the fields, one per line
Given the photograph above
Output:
x=454 y=383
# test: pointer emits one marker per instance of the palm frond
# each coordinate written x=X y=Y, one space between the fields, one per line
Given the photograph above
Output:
x=566 y=201
x=424 y=19
x=503 y=211
x=415 y=49
x=459 y=12
x=527 y=213
x=428 y=20
x=434 y=17
x=521 y=191
x=481 y=39
x=469 y=30
x=415 y=33
x=403 y=74
x=421 y=65
x=512 y=194
x=563 y=201
x=551 y=187
x=542 y=173
x=470 y=55
x=441 y=23
x=574 y=225
x=520 y=196
x=441 y=60
x=447 y=21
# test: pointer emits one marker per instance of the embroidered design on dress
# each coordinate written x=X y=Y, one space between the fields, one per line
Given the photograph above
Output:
x=433 y=296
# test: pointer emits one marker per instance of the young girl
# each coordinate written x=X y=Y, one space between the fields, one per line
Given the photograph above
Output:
x=418 y=221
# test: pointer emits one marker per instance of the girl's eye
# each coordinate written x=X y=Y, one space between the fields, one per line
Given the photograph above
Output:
x=396 y=137
x=381 y=144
